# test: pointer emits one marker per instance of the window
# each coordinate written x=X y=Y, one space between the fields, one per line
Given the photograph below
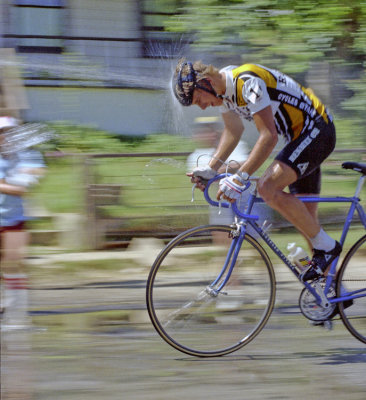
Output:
x=37 y=25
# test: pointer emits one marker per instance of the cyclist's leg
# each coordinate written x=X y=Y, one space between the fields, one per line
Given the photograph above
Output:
x=271 y=188
x=310 y=185
x=297 y=160
x=14 y=293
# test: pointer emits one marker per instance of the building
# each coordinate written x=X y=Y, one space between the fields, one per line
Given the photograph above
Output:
x=101 y=63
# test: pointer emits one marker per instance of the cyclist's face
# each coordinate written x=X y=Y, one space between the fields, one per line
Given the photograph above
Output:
x=204 y=99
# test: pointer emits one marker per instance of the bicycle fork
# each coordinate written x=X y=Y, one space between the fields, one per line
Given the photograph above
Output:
x=215 y=288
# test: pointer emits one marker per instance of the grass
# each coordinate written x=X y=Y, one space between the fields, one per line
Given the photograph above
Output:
x=61 y=190
x=158 y=192
x=95 y=321
x=155 y=192
x=107 y=265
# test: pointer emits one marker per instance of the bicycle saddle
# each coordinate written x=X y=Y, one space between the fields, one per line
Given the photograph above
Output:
x=359 y=167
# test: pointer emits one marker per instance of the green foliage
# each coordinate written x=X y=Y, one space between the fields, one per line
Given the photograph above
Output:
x=290 y=33
x=358 y=102
x=155 y=190
x=87 y=139
x=61 y=189
x=349 y=133
x=356 y=106
x=165 y=143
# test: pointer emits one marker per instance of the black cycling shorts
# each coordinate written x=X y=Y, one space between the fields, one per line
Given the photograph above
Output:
x=305 y=155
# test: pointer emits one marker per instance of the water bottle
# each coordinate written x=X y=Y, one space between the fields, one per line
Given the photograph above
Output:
x=298 y=256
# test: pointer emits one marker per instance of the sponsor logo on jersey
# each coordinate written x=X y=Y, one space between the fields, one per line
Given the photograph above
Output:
x=304 y=144
x=285 y=98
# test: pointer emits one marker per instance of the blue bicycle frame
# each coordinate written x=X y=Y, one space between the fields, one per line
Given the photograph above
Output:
x=249 y=219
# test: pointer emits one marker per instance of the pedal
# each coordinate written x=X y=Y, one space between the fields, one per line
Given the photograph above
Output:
x=328 y=324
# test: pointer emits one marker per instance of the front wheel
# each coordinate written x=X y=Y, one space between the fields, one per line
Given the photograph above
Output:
x=184 y=305
x=352 y=280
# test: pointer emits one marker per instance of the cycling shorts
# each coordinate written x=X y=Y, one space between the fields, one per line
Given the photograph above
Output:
x=20 y=226
x=305 y=155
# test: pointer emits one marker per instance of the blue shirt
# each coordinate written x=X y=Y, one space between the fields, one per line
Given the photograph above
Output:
x=11 y=207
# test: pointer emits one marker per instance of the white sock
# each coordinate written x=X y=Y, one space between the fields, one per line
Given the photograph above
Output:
x=323 y=241
x=15 y=294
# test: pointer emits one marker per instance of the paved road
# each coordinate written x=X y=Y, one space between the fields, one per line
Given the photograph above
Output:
x=92 y=340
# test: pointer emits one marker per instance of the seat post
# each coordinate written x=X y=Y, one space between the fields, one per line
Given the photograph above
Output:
x=361 y=181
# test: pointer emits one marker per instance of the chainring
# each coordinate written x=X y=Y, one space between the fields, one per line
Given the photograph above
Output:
x=309 y=307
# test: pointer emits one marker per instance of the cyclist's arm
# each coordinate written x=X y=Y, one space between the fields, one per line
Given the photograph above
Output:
x=13 y=190
x=266 y=142
x=233 y=129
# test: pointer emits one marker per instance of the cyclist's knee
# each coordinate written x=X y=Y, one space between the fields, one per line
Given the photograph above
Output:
x=266 y=190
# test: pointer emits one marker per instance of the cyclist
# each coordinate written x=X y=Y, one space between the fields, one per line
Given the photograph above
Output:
x=278 y=105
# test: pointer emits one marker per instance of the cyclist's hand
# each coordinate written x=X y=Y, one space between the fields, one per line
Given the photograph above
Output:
x=201 y=175
x=232 y=187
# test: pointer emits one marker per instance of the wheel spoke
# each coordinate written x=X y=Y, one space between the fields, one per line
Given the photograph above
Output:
x=196 y=318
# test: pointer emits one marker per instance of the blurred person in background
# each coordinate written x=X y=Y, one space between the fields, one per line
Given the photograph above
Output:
x=206 y=133
x=19 y=171
x=278 y=105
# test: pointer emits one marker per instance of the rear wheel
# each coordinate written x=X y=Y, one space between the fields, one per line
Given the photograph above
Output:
x=183 y=305
x=352 y=278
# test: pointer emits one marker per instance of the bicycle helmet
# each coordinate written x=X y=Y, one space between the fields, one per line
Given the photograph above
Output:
x=185 y=81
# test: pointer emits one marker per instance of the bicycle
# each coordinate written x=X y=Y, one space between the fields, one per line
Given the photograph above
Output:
x=208 y=298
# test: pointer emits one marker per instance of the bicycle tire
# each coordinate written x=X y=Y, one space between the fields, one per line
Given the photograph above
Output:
x=209 y=326
x=352 y=276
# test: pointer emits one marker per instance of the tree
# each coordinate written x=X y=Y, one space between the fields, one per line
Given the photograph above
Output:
x=289 y=35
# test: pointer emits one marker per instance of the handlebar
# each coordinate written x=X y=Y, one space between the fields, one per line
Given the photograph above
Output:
x=224 y=204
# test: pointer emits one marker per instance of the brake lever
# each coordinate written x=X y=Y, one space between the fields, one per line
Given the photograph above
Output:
x=193 y=187
x=220 y=207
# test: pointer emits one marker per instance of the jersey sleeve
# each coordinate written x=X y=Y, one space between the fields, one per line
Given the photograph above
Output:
x=256 y=94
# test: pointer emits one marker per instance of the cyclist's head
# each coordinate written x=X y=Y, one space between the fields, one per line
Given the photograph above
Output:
x=188 y=77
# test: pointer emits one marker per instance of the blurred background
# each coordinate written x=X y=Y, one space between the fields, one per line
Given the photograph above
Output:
x=99 y=74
